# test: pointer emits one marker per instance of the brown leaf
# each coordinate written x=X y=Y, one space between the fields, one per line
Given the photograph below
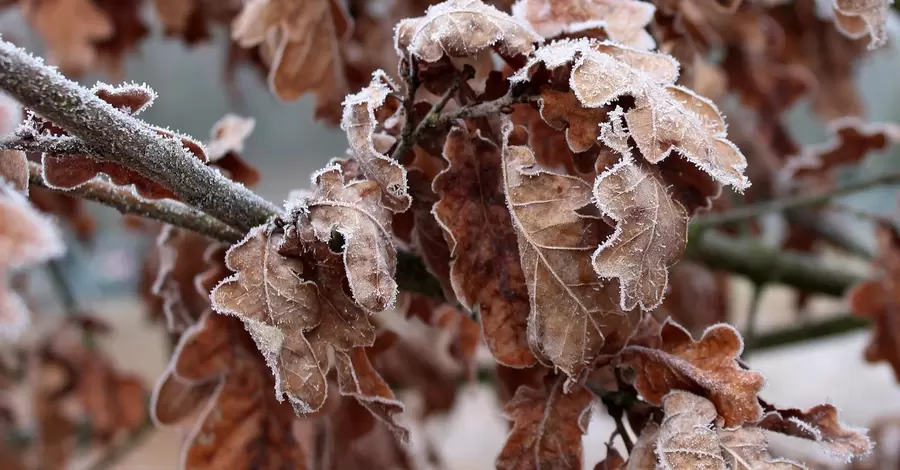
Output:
x=300 y=41
x=484 y=269
x=852 y=139
x=129 y=29
x=690 y=437
x=548 y=424
x=359 y=123
x=226 y=145
x=113 y=402
x=573 y=314
x=708 y=367
x=622 y=20
x=878 y=299
x=358 y=379
x=278 y=307
x=613 y=460
x=650 y=235
x=562 y=110
x=820 y=424
x=14 y=170
x=698 y=297
x=873 y=13
x=27 y=238
x=70 y=44
x=463 y=28
x=354 y=211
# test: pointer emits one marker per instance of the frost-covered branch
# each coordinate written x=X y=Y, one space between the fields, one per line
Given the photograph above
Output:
x=115 y=136
x=127 y=202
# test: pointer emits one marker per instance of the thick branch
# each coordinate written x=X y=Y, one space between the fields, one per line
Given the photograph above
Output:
x=127 y=202
x=123 y=139
x=781 y=205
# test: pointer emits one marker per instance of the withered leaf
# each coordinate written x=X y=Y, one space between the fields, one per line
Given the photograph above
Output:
x=463 y=28
x=70 y=44
x=820 y=424
x=708 y=367
x=562 y=110
x=14 y=169
x=650 y=235
x=358 y=379
x=547 y=427
x=852 y=139
x=622 y=20
x=692 y=437
x=227 y=143
x=667 y=118
x=354 y=211
x=359 y=122
x=572 y=312
x=277 y=306
x=873 y=13
x=485 y=268
x=300 y=41
x=26 y=238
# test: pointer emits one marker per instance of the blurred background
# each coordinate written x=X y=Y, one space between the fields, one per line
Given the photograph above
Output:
x=287 y=145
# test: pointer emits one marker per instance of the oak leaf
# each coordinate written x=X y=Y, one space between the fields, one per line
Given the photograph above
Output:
x=227 y=143
x=354 y=210
x=872 y=13
x=484 y=268
x=691 y=436
x=650 y=235
x=70 y=44
x=359 y=122
x=820 y=424
x=301 y=43
x=666 y=117
x=563 y=110
x=548 y=424
x=463 y=28
x=574 y=316
x=27 y=238
x=852 y=140
x=708 y=367
x=622 y=20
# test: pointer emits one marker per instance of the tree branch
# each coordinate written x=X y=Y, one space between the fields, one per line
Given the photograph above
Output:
x=123 y=139
x=127 y=202
x=781 y=205
x=807 y=331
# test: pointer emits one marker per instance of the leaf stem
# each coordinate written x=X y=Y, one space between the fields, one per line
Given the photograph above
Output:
x=127 y=202
x=785 y=204
x=120 y=138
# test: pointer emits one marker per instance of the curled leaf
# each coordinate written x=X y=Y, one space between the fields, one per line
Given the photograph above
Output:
x=463 y=28
x=872 y=13
x=650 y=235
x=547 y=427
x=359 y=123
x=852 y=140
x=485 y=268
x=622 y=20
x=820 y=424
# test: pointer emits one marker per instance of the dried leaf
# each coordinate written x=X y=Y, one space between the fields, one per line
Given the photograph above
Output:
x=852 y=139
x=622 y=20
x=354 y=211
x=359 y=123
x=562 y=110
x=484 y=269
x=873 y=13
x=114 y=402
x=27 y=238
x=226 y=145
x=708 y=367
x=650 y=236
x=14 y=170
x=463 y=28
x=547 y=427
x=820 y=424
x=358 y=379
x=70 y=44
x=573 y=315
x=300 y=40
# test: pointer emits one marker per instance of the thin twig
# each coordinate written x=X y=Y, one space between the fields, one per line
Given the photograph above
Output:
x=127 y=202
x=780 y=205
x=750 y=334
x=63 y=288
x=117 y=137
x=57 y=145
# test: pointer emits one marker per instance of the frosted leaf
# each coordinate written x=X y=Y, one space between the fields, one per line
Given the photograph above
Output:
x=354 y=211
x=622 y=20
x=357 y=378
x=359 y=123
x=873 y=13
x=650 y=235
x=460 y=28
x=851 y=141
x=14 y=169
x=691 y=437
x=563 y=110
x=473 y=215
x=228 y=135
x=70 y=44
x=820 y=424
x=277 y=306
x=130 y=98
x=672 y=360
x=548 y=425
x=573 y=314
